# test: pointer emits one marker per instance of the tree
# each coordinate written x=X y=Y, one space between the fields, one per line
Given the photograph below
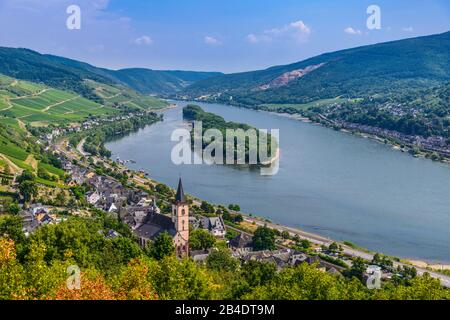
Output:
x=133 y=282
x=334 y=247
x=234 y=207
x=175 y=279
x=258 y=273
x=93 y=287
x=201 y=239
x=221 y=260
x=304 y=244
x=14 y=208
x=358 y=268
x=25 y=176
x=264 y=239
x=238 y=218
x=11 y=227
x=285 y=235
x=28 y=189
x=12 y=279
x=207 y=207
x=60 y=199
x=161 y=247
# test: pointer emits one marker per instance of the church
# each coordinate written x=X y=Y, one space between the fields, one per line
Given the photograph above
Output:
x=177 y=225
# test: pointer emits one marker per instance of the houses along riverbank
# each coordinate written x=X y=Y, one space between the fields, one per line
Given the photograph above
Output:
x=330 y=183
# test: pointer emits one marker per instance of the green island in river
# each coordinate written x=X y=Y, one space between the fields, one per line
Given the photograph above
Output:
x=244 y=142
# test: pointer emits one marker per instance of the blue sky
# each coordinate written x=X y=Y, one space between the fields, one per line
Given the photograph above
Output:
x=210 y=35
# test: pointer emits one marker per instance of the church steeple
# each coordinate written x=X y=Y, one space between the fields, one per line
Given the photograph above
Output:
x=180 y=198
x=180 y=219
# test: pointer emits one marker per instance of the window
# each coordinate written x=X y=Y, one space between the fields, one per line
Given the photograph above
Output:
x=183 y=212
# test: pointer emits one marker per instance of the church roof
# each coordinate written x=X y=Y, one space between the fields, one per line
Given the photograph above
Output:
x=180 y=198
x=156 y=224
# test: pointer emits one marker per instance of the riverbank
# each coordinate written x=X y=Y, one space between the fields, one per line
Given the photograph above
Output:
x=318 y=240
x=314 y=238
x=319 y=188
x=414 y=150
x=399 y=146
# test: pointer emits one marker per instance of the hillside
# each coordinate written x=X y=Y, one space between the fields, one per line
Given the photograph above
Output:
x=69 y=74
x=160 y=82
x=23 y=102
x=352 y=73
x=27 y=102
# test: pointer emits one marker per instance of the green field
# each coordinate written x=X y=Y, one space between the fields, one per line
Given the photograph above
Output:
x=52 y=170
x=11 y=150
x=116 y=95
x=35 y=103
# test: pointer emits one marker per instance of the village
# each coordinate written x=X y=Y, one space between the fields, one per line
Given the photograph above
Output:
x=139 y=210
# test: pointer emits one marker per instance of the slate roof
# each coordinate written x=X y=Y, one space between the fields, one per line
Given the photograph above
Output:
x=241 y=241
x=180 y=198
x=156 y=224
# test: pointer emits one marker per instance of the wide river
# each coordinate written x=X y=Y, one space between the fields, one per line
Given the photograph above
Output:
x=331 y=183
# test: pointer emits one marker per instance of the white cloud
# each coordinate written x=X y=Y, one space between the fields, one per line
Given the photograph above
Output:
x=297 y=30
x=350 y=30
x=408 y=29
x=300 y=26
x=144 y=40
x=253 y=38
x=211 y=41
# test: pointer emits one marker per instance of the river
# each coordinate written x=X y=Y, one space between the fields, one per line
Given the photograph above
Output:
x=332 y=183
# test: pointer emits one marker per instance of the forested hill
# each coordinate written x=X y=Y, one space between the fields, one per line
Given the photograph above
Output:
x=69 y=74
x=159 y=82
x=353 y=73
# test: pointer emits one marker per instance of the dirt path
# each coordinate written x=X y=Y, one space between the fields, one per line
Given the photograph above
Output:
x=32 y=95
x=10 y=105
x=13 y=167
x=80 y=147
x=30 y=160
x=58 y=103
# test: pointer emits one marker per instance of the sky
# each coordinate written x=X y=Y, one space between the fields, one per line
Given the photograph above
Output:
x=210 y=35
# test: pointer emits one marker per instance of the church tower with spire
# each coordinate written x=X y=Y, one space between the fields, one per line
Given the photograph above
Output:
x=180 y=218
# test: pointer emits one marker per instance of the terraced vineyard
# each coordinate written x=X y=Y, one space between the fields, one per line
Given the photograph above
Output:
x=38 y=104
x=114 y=96
x=20 y=152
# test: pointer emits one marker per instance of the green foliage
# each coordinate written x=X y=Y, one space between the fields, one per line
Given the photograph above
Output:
x=160 y=82
x=411 y=111
x=212 y=121
x=96 y=138
x=221 y=260
x=352 y=73
x=358 y=268
x=28 y=190
x=161 y=247
x=207 y=207
x=234 y=207
x=35 y=268
x=201 y=239
x=263 y=239
x=11 y=227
